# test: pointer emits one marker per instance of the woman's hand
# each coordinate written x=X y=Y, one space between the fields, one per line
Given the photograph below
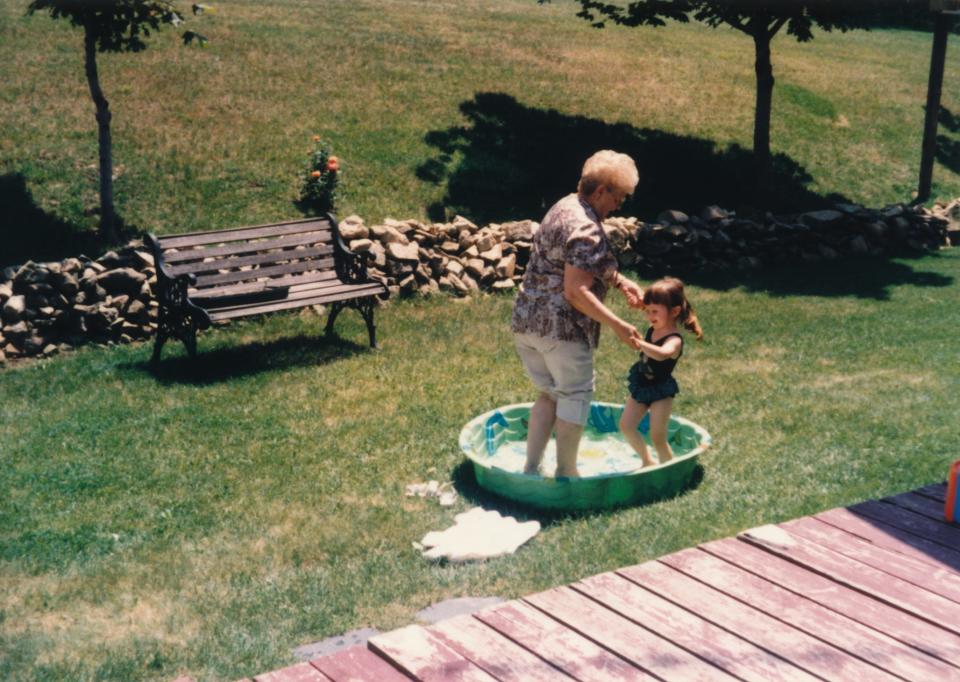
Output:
x=627 y=333
x=631 y=291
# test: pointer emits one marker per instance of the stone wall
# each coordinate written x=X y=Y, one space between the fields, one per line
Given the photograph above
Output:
x=49 y=307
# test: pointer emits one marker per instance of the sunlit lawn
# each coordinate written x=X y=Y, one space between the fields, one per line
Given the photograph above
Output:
x=210 y=518
x=215 y=137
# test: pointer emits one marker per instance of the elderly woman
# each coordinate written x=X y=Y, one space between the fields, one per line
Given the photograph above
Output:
x=559 y=310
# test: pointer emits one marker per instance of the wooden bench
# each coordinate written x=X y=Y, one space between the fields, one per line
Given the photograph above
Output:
x=204 y=277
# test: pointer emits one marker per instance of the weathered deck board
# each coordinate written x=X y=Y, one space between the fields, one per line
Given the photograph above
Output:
x=641 y=647
x=301 y=672
x=816 y=620
x=919 y=504
x=799 y=648
x=420 y=653
x=942 y=581
x=937 y=491
x=727 y=651
x=867 y=592
x=885 y=535
x=859 y=607
x=498 y=655
x=931 y=529
x=573 y=653
x=860 y=577
x=357 y=664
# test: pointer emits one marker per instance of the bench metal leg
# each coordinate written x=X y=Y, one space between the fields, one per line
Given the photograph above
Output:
x=158 y=346
x=335 y=309
x=366 y=310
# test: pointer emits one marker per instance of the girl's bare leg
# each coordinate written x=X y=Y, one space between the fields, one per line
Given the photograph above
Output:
x=543 y=414
x=659 y=416
x=629 y=421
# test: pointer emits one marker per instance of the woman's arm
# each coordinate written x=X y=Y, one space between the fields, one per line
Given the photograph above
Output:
x=670 y=348
x=576 y=290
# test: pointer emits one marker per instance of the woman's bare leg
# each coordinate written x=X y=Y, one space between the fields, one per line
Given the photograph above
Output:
x=543 y=414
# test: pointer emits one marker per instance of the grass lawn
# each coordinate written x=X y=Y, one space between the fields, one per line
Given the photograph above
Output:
x=209 y=519
x=483 y=107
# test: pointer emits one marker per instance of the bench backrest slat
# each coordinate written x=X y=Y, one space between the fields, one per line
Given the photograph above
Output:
x=270 y=271
x=294 y=282
x=256 y=259
x=245 y=233
x=236 y=248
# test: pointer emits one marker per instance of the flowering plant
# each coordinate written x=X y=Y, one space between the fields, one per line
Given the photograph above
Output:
x=318 y=189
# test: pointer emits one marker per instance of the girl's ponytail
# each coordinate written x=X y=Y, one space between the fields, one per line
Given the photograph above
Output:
x=689 y=319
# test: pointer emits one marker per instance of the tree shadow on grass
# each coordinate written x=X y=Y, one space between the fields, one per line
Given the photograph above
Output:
x=231 y=362
x=512 y=161
x=27 y=232
x=465 y=481
x=865 y=277
x=948 y=147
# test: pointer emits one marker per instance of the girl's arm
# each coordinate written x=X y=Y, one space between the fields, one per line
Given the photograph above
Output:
x=670 y=348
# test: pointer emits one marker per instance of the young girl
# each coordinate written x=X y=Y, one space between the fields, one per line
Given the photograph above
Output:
x=652 y=385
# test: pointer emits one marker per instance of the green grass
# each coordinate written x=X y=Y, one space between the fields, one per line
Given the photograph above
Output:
x=209 y=519
x=215 y=137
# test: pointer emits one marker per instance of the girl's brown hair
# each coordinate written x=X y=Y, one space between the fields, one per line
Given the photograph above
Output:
x=669 y=292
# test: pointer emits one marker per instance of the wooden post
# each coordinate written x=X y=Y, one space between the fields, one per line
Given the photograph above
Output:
x=938 y=56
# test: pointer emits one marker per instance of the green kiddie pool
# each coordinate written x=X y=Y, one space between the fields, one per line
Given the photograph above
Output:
x=611 y=473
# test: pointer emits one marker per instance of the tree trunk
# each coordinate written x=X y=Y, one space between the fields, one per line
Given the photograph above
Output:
x=108 y=232
x=761 y=120
x=938 y=56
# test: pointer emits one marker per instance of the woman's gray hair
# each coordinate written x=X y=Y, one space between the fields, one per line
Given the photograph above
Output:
x=610 y=168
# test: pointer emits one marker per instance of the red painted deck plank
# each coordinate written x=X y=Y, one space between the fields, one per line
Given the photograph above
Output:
x=498 y=655
x=644 y=649
x=421 y=654
x=727 y=651
x=357 y=664
x=857 y=576
x=301 y=672
x=919 y=504
x=836 y=629
x=785 y=641
x=941 y=581
x=859 y=607
x=885 y=535
x=573 y=653
x=936 y=531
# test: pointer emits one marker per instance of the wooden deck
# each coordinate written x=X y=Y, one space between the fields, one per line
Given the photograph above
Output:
x=869 y=592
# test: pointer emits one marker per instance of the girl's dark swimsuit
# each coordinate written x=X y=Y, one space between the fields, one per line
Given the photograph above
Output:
x=652 y=380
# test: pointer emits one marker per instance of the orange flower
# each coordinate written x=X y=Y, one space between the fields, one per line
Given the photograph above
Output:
x=315 y=174
x=316 y=138
x=333 y=164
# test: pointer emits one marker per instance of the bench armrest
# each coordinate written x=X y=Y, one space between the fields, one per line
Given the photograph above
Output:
x=171 y=290
x=351 y=267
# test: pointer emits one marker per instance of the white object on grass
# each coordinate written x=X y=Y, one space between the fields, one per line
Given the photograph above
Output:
x=478 y=534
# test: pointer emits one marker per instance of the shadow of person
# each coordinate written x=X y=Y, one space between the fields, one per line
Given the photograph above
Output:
x=27 y=232
x=511 y=161
x=230 y=362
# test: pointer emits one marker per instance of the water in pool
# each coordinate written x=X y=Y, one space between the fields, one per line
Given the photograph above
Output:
x=599 y=454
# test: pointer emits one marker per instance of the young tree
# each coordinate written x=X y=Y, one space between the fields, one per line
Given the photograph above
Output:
x=759 y=19
x=111 y=26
